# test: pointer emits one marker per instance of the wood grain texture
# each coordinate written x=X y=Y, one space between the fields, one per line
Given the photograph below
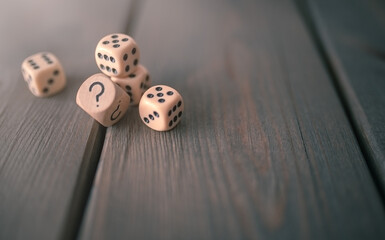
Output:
x=264 y=151
x=354 y=41
x=47 y=144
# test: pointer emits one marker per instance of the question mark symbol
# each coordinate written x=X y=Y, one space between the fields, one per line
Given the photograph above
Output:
x=112 y=117
x=101 y=92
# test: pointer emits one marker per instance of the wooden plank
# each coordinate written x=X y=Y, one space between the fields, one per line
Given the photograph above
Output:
x=48 y=146
x=354 y=41
x=265 y=150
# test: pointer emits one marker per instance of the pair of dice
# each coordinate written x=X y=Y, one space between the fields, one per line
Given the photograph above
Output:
x=106 y=97
x=117 y=56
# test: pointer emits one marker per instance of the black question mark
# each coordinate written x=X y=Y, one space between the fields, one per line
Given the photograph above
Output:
x=101 y=92
x=112 y=115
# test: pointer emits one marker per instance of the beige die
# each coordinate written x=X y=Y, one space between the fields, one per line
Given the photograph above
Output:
x=117 y=55
x=135 y=84
x=102 y=99
x=44 y=74
x=161 y=108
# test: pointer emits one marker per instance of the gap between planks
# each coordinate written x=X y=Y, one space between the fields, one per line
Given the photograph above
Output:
x=91 y=158
x=315 y=33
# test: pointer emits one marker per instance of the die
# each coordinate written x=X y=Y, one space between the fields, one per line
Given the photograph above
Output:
x=161 y=108
x=102 y=99
x=135 y=84
x=44 y=74
x=117 y=55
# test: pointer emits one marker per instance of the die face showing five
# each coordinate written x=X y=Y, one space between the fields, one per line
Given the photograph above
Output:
x=102 y=99
x=135 y=84
x=44 y=74
x=161 y=108
x=117 y=55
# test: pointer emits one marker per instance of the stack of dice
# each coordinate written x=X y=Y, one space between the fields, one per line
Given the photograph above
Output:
x=106 y=96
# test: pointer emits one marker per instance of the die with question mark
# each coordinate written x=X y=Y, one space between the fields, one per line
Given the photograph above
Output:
x=102 y=99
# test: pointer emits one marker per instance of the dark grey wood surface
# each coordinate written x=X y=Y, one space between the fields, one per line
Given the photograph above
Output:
x=352 y=34
x=48 y=146
x=275 y=142
x=265 y=149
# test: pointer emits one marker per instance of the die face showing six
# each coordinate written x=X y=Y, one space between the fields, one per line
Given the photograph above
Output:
x=135 y=84
x=44 y=74
x=117 y=55
x=102 y=99
x=161 y=108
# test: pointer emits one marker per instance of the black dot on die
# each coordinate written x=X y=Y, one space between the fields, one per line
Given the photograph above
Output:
x=114 y=36
x=179 y=103
x=124 y=39
x=115 y=41
x=170 y=123
x=100 y=55
x=170 y=93
x=125 y=57
x=141 y=85
x=158 y=88
x=50 y=81
x=36 y=67
x=112 y=59
x=156 y=114
x=116 y=45
x=56 y=72
x=45 y=90
x=105 y=57
x=146 y=120
x=175 y=118
x=128 y=88
x=159 y=94
x=174 y=108
x=180 y=114
x=114 y=71
x=129 y=94
x=161 y=100
x=30 y=60
x=108 y=69
x=132 y=75
x=49 y=62
x=147 y=78
x=169 y=113
x=151 y=117
x=136 y=62
x=150 y=95
x=102 y=66
x=127 y=68
x=133 y=51
x=106 y=42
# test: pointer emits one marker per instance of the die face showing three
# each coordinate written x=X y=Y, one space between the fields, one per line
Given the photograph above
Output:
x=117 y=55
x=135 y=84
x=44 y=74
x=102 y=99
x=161 y=108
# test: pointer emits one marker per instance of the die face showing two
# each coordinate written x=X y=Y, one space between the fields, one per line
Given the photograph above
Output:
x=135 y=84
x=161 y=108
x=117 y=55
x=102 y=99
x=44 y=74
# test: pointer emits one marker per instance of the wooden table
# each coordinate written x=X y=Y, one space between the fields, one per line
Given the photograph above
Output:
x=283 y=135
